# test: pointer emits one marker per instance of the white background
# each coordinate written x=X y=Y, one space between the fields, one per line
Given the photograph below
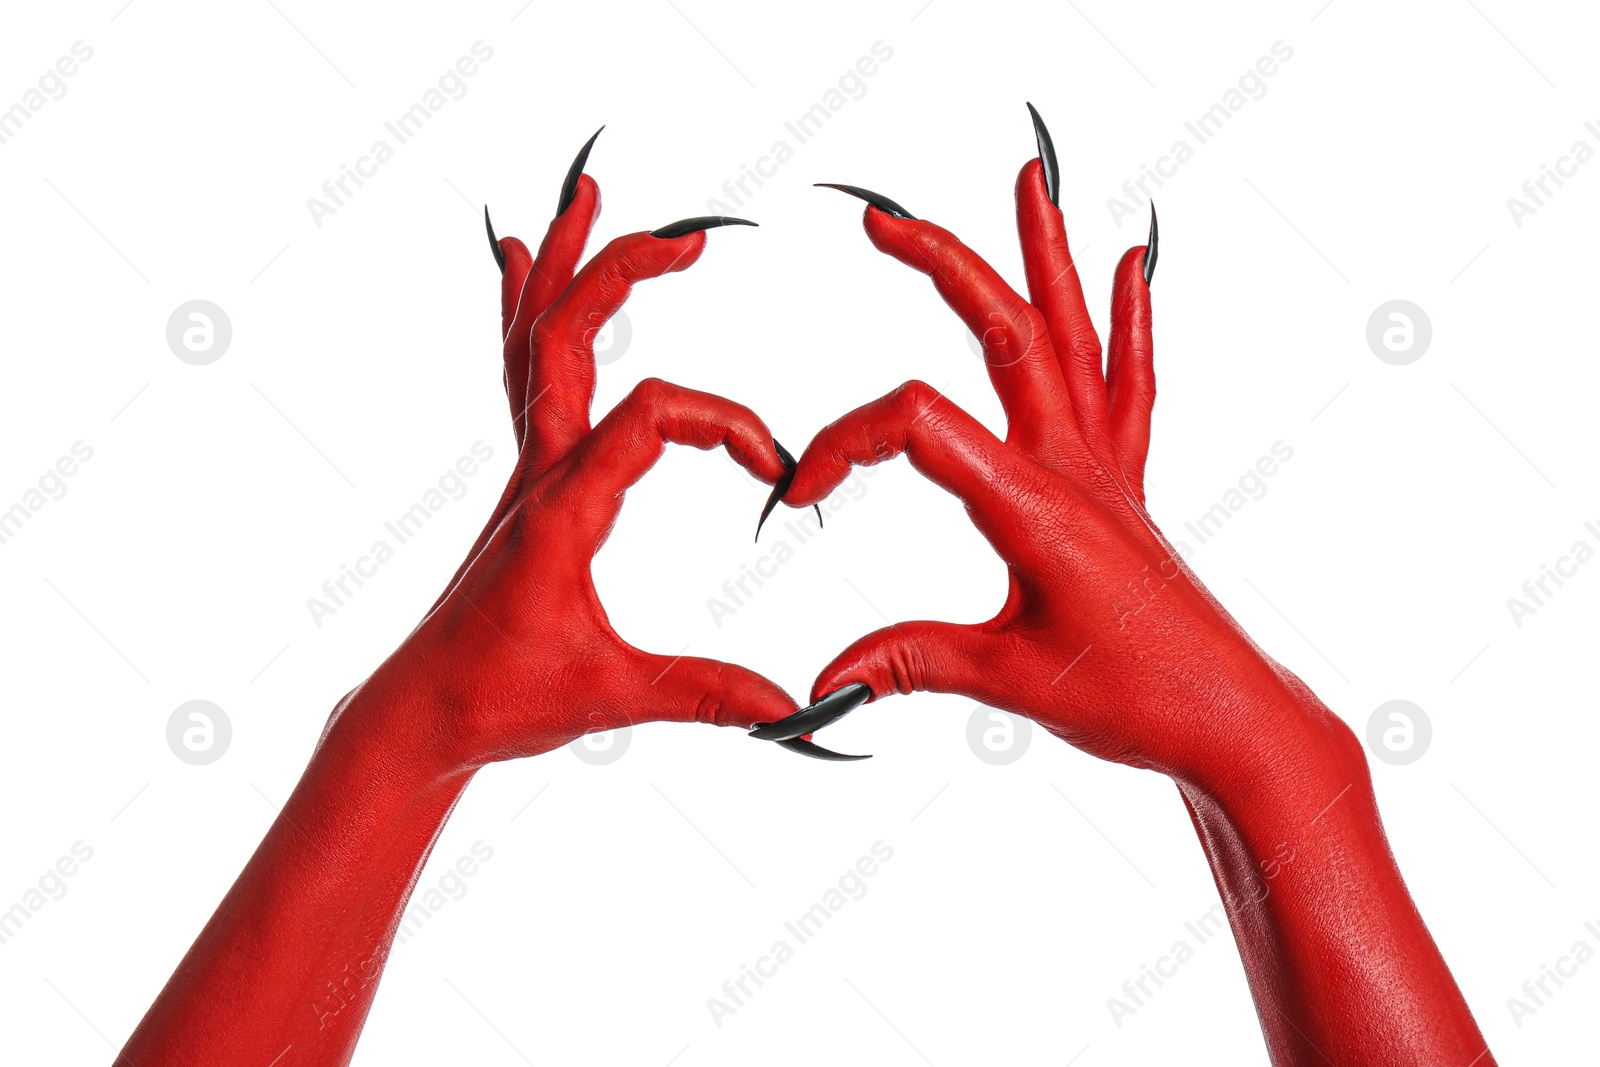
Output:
x=365 y=360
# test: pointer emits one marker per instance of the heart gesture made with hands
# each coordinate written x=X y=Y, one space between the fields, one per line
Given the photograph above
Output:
x=1105 y=638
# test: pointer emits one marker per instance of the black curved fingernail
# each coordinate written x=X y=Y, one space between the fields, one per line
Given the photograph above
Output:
x=1047 y=157
x=816 y=751
x=830 y=709
x=1150 y=247
x=569 y=187
x=494 y=242
x=780 y=487
x=699 y=222
x=877 y=200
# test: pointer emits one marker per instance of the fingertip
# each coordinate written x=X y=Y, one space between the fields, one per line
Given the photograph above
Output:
x=896 y=236
x=750 y=444
x=513 y=276
x=834 y=679
x=762 y=457
x=1130 y=270
x=673 y=254
x=1031 y=189
x=750 y=698
x=808 y=486
x=516 y=253
x=585 y=203
x=860 y=664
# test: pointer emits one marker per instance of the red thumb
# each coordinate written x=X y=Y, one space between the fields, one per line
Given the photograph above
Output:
x=690 y=689
x=911 y=657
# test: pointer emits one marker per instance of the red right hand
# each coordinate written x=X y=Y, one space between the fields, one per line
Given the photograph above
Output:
x=1106 y=638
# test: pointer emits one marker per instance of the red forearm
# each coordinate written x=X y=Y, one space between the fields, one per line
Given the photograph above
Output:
x=290 y=961
x=1340 y=963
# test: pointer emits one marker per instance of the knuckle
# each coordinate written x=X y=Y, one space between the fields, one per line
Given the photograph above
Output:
x=709 y=706
x=913 y=396
x=546 y=332
x=650 y=395
x=905 y=668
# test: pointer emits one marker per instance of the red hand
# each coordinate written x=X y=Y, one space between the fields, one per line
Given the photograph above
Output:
x=516 y=658
x=1111 y=643
x=535 y=663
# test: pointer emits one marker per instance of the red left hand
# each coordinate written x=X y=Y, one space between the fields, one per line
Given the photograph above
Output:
x=518 y=657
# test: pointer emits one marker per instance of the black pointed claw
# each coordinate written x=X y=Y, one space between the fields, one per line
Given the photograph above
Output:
x=1150 y=247
x=700 y=222
x=569 y=187
x=780 y=487
x=1047 y=157
x=877 y=200
x=494 y=242
x=816 y=751
x=830 y=709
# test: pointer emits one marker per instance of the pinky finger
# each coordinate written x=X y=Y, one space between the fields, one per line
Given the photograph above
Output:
x=1130 y=370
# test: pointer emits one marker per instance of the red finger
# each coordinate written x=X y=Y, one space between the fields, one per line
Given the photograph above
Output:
x=1130 y=371
x=515 y=261
x=542 y=278
x=1055 y=289
x=632 y=437
x=561 y=378
x=950 y=447
x=918 y=657
x=689 y=689
x=557 y=259
x=1016 y=342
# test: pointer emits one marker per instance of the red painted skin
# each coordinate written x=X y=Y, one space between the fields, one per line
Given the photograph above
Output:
x=1111 y=643
x=1105 y=639
x=516 y=658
